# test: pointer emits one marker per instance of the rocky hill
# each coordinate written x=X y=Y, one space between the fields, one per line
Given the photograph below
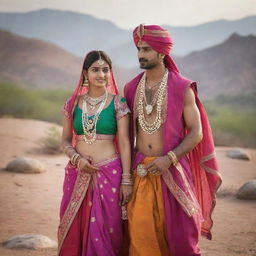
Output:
x=228 y=68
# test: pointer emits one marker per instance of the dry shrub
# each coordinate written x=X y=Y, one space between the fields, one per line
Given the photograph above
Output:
x=51 y=143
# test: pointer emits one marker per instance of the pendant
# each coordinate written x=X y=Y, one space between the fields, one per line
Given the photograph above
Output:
x=90 y=127
x=90 y=124
x=149 y=109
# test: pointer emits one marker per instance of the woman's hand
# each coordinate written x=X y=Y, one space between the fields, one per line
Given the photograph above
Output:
x=125 y=194
x=89 y=158
x=86 y=166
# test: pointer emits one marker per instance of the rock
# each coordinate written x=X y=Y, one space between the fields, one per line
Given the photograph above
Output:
x=18 y=184
x=25 y=165
x=247 y=191
x=238 y=154
x=29 y=241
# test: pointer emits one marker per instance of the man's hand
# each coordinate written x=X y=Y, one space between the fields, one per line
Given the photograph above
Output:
x=159 y=165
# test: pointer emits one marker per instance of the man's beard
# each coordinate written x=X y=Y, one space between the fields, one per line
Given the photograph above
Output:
x=145 y=65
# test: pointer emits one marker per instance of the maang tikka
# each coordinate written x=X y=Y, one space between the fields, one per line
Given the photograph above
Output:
x=100 y=61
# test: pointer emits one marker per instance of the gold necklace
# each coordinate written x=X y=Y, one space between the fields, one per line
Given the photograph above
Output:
x=151 y=128
x=93 y=102
x=149 y=107
x=150 y=88
x=89 y=125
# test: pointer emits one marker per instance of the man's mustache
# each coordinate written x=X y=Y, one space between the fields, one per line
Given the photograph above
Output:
x=142 y=60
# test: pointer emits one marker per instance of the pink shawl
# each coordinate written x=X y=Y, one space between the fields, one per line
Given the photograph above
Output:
x=202 y=158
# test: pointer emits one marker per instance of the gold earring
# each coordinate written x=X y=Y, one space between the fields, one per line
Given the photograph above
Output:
x=86 y=82
x=162 y=58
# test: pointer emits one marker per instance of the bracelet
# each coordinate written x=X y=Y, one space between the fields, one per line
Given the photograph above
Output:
x=74 y=158
x=77 y=160
x=126 y=180
x=126 y=174
x=173 y=157
x=130 y=183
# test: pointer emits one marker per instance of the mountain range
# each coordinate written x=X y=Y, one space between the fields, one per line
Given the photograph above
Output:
x=36 y=64
x=79 y=33
x=228 y=68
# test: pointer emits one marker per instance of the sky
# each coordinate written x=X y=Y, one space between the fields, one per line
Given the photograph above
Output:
x=130 y=13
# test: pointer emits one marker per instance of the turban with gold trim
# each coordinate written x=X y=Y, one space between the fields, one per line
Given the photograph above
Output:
x=157 y=38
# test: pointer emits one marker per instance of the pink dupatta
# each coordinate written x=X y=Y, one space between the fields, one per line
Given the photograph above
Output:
x=202 y=158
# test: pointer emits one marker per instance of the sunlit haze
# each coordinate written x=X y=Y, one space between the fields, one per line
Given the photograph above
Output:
x=129 y=13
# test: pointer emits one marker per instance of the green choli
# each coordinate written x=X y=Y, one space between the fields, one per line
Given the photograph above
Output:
x=107 y=122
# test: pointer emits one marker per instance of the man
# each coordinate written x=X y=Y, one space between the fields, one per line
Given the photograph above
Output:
x=175 y=171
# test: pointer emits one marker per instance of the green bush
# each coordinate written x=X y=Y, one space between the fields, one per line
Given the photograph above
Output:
x=41 y=105
x=233 y=118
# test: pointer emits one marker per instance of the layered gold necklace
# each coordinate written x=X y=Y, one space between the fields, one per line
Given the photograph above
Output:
x=151 y=128
x=89 y=125
x=93 y=102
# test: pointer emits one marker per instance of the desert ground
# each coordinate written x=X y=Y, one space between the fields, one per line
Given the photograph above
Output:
x=30 y=202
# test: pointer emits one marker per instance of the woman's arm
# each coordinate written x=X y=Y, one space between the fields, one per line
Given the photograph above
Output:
x=66 y=133
x=125 y=154
x=123 y=143
x=82 y=163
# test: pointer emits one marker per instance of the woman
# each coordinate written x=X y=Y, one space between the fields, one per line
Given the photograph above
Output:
x=97 y=181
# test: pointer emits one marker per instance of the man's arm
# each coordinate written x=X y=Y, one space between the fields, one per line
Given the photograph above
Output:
x=193 y=124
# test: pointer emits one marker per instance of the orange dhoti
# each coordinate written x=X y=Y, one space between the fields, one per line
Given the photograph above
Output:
x=146 y=216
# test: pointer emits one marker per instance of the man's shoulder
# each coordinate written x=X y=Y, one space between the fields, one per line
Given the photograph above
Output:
x=133 y=82
x=179 y=78
x=178 y=82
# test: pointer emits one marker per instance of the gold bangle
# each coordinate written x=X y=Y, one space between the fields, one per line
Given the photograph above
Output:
x=173 y=157
x=74 y=158
x=127 y=174
x=77 y=160
x=126 y=183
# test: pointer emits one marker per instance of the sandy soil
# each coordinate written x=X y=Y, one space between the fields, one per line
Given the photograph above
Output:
x=30 y=202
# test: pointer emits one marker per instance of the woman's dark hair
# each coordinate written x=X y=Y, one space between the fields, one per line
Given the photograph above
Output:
x=94 y=56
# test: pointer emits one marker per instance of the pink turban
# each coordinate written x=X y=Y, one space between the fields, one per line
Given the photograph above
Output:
x=159 y=39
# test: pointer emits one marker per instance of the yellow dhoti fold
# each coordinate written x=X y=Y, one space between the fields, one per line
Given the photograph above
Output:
x=146 y=217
